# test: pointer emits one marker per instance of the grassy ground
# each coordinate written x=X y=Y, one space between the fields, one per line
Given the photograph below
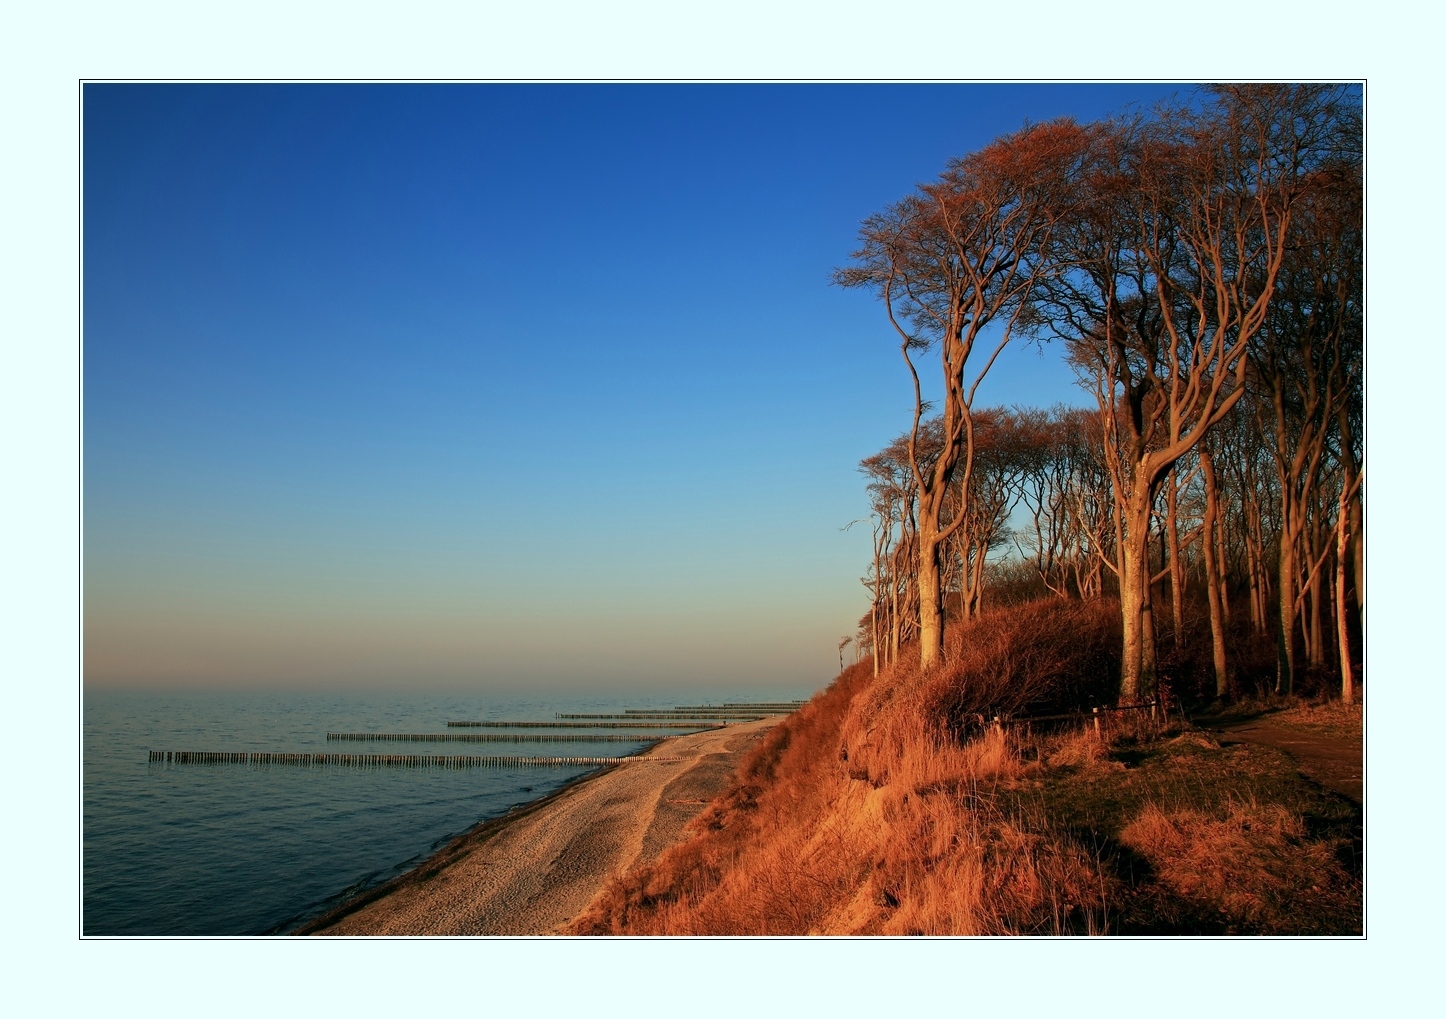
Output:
x=1332 y=718
x=1196 y=838
x=1324 y=718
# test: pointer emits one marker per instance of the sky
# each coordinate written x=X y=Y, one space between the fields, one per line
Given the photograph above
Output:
x=498 y=387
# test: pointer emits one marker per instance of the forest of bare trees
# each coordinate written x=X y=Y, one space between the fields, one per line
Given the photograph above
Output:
x=1201 y=268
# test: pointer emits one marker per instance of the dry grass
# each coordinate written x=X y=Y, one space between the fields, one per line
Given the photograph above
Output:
x=1328 y=718
x=1080 y=748
x=1317 y=716
x=1255 y=865
x=890 y=806
x=734 y=875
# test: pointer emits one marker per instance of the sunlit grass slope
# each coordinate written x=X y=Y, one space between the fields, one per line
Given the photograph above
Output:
x=894 y=806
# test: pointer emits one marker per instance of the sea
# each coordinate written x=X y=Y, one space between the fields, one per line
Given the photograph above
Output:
x=237 y=849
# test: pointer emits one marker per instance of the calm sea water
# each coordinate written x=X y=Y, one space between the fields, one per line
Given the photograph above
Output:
x=231 y=849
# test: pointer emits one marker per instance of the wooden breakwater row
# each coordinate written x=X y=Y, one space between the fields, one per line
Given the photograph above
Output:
x=390 y=760
x=494 y=737
x=713 y=713
x=690 y=726
x=762 y=707
x=715 y=716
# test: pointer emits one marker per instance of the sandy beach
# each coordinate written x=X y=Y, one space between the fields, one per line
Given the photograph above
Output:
x=533 y=870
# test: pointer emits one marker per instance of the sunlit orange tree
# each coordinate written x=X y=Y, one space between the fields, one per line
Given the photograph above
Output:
x=1169 y=264
x=948 y=262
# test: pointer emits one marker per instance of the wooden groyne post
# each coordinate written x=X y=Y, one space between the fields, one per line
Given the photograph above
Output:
x=312 y=760
x=495 y=737
x=694 y=726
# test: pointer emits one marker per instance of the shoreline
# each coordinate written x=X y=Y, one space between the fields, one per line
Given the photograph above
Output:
x=474 y=836
x=531 y=870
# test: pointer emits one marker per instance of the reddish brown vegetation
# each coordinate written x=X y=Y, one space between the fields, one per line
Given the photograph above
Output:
x=1246 y=864
x=1202 y=266
x=882 y=807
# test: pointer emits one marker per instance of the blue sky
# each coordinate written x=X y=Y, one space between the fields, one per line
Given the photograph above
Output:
x=497 y=386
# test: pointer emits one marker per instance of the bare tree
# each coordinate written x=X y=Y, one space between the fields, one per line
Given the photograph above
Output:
x=949 y=261
x=1213 y=569
x=1004 y=451
x=1307 y=362
x=892 y=579
x=1172 y=262
x=1203 y=266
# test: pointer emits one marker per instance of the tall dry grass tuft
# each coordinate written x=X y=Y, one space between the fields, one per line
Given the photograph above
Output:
x=872 y=808
x=1042 y=657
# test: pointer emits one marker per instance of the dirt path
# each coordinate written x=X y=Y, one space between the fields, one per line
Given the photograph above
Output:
x=1336 y=764
x=533 y=871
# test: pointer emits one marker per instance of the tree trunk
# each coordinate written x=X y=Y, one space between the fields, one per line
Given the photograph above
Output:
x=1262 y=573
x=931 y=606
x=973 y=598
x=1285 y=641
x=1138 y=667
x=1177 y=575
x=894 y=615
x=1358 y=540
x=1148 y=676
x=1257 y=610
x=1348 y=686
x=1317 y=636
x=874 y=632
x=1222 y=567
x=1212 y=569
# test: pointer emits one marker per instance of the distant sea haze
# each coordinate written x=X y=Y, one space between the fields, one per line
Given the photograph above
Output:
x=232 y=849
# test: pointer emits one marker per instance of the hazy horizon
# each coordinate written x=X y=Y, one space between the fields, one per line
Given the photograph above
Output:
x=497 y=386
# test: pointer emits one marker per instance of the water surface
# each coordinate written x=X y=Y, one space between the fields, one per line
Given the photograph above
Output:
x=232 y=849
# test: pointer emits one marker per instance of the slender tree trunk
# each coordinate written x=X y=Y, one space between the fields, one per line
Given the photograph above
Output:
x=1222 y=566
x=894 y=615
x=1177 y=575
x=878 y=589
x=1285 y=644
x=1254 y=548
x=1348 y=686
x=1358 y=542
x=931 y=607
x=974 y=596
x=1137 y=671
x=1149 y=677
x=1257 y=610
x=1317 y=641
x=1212 y=568
x=1328 y=626
x=874 y=633
x=1262 y=573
